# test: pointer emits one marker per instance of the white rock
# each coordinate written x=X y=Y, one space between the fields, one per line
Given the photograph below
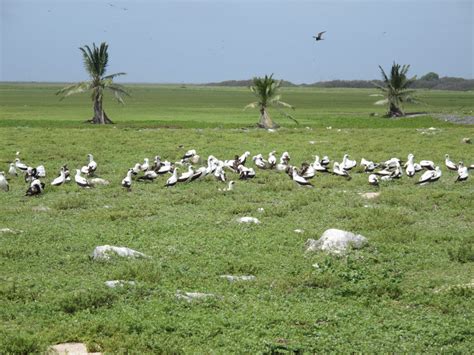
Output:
x=99 y=181
x=271 y=130
x=118 y=283
x=233 y=278
x=41 y=209
x=70 y=349
x=260 y=209
x=336 y=241
x=312 y=142
x=249 y=220
x=298 y=231
x=103 y=252
x=8 y=230
x=370 y=195
x=191 y=296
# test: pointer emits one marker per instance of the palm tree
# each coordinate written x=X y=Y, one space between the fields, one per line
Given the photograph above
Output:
x=95 y=62
x=395 y=89
x=266 y=90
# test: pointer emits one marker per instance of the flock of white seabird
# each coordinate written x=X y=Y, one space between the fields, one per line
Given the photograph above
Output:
x=146 y=172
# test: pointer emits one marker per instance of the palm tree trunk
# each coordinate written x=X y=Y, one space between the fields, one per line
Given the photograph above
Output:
x=265 y=120
x=395 y=111
x=100 y=117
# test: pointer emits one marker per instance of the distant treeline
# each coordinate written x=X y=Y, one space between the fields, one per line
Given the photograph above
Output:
x=425 y=82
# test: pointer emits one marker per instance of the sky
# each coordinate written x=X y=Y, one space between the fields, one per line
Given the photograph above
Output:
x=200 y=41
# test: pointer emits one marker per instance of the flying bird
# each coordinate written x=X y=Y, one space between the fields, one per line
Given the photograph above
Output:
x=319 y=36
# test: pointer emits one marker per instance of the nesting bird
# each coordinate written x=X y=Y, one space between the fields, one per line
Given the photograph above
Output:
x=463 y=172
x=173 y=179
x=373 y=180
x=449 y=164
x=3 y=182
x=81 y=181
x=430 y=176
x=61 y=179
x=36 y=188
x=127 y=180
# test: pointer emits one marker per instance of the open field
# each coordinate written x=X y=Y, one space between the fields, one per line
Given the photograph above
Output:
x=393 y=295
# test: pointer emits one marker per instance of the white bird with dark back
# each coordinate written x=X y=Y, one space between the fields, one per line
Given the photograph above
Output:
x=299 y=179
x=60 y=179
x=463 y=172
x=173 y=179
x=127 y=180
x=3 y=182
x=81 y=181
x=429 y=176
x=450 y=164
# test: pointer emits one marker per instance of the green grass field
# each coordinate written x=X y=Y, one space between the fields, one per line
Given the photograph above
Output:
x=391 y=296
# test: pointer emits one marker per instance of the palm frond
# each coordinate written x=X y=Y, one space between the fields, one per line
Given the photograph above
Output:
x=252 y=105
x=111 y=76
x=74 y=89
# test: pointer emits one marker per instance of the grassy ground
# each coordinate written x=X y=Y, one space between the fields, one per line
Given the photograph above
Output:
x=381 y=298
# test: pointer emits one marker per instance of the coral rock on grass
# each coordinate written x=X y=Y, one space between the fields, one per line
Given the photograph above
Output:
x=11 y=231
x=118 y=283
x=233 y=278
x=336 y=241
x=191 y=296
x=370 y=195
x=70 y=348
x=104 y=252
x=249 y=220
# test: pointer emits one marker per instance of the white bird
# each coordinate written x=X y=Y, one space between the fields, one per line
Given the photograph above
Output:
x=427 y=164
x=60 y=179
x=12 y=170
x=190 y=153
x=368 y=165
x=146 y=165
x=299 y=179
x=243 y=158
x=410 y=166
x=392 y=163
x=463 y=172
x=449 y=164
x=307 y=171
x=318 y=166
x=80 y=181
x=272 y=159
x=259 y=161
x=325 y=161
x=3 y=182
x=348 y=164
x=149 y=175
x=229 y=188
x=199 y=173
x=20 y=165
x=127 y=180
x=36 y=187
x=373 y=180
x=219 y=173
x=245 y=173
x=338 y=170
x=187 y=175
x=429 y=176
x=136 y=169
x=164 y=168
x=92 y=165
x=173 y=179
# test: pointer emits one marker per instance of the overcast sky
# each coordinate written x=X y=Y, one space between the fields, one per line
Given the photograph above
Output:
x=196 y=41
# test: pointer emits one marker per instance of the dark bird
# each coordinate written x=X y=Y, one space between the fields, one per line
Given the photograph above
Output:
x=319 y=36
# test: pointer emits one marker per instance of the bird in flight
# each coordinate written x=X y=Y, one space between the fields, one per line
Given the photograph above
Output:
x=319 y=36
